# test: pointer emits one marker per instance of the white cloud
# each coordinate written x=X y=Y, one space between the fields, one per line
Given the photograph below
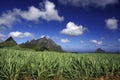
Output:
x=9 y=18
x=48 y=13
x=112 y=23
x=84 y=3
x=33 y=14
x=18 y=34
x=73 y=30
x=2 y=37
x=96 y=42
x=51 y=13
x=65 y=40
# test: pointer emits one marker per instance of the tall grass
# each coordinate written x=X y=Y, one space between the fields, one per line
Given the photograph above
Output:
x=17 y=64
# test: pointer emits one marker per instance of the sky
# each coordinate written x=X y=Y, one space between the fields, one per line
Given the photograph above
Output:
x=76 y=25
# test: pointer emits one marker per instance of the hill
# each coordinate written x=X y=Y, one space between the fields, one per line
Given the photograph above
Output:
x=10 y=42
x=99 y=50
x=41 y=45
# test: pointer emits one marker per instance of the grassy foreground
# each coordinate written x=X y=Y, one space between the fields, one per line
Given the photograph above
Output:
x=31 y=65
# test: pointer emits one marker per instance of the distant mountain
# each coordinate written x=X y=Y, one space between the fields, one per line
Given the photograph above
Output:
x=10 y=42
x=42 y=44
x=10 y=39
x=99 y=50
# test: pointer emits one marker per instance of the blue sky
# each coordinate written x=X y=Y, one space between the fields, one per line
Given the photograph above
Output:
x=76 y=25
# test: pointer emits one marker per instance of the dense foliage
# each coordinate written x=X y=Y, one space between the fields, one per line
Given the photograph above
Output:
x=31 y=65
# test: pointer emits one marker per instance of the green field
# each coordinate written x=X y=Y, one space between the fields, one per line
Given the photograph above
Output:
x=31 y=65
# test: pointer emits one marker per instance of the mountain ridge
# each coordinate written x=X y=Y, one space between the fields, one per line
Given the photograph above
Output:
x=42 y=44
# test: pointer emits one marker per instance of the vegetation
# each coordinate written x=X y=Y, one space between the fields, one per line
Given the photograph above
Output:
x=31 y=65
x=42 y=44
x=34 y=47
x=8 y=43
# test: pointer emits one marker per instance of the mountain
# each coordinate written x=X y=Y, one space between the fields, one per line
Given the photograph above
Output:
x=42 y=44
x=10 y=39
x=99 y=50
x=10 y=42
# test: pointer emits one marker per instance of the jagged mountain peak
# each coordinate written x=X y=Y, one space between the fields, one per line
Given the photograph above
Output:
x=44 y=42
x=10 y=42
x=10 y=39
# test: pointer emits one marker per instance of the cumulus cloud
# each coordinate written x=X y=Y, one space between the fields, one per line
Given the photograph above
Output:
x=96 y=42
x=33 y=13
x=2 y=37
x=84 y=3
x=73 y=30
x=48 y=13
x=65 y=40
x=9 y=18
x=18 y=34
x=112 y=23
